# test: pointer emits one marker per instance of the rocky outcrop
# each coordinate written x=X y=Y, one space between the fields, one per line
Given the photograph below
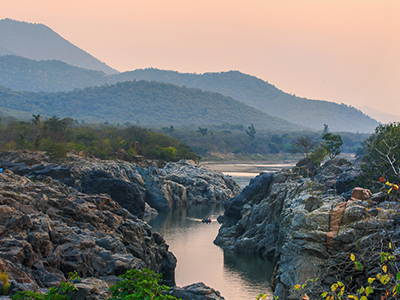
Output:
x=48 y=229
x=173 y=185
x=84 y=215
x=185 y=182
x=304 y=224
x=196 y=291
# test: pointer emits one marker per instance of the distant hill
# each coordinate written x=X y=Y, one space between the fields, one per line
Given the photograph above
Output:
x=23 y=74
x=143 y=103
x=19 y=73
x=378 y=115
x=265 y=97
x=37 y=41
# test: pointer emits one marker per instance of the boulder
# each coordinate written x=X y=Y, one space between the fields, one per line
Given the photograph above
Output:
x=195 y=291
x=125 y=193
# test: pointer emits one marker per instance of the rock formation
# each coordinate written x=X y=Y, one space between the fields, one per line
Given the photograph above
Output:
x=84 y=215
x=174 y=185
x=308 y=225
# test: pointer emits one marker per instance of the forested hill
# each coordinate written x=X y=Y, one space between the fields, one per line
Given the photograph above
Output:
x=143 y=103
x=265 y=97
x=37 y=41
x=19 y=73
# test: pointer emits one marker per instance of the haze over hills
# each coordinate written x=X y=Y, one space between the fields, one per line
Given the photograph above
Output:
x=19 y=73
x=378 y=115
x=143 y=103
x=37 y=41
x=23 y=74
x=265 y=97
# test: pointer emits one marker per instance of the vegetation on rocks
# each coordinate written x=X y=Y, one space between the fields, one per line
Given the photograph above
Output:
x=381 y=157
x=134 y=284
x=361 y=260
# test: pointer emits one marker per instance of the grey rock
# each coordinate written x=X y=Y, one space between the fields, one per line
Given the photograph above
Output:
x=196 y=291
x=303 y=222
x=125 y=193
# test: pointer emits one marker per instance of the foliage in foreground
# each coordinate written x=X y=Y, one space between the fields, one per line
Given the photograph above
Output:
x=381 y=156
x=137 y=284
x=134 y=284
x=54 y=293
x=384 y=284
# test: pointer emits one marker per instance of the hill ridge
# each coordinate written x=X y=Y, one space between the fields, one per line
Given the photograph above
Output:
x=38 y=41
x=145 y=103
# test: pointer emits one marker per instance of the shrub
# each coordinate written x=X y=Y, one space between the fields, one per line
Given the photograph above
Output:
x=57 y=151
x=54 y=293
x=141 y=285
x=134 y=284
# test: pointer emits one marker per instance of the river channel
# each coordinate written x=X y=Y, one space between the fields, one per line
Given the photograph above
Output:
x=236 y=276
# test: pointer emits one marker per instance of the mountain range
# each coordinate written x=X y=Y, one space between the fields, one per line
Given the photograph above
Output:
x=21 y=73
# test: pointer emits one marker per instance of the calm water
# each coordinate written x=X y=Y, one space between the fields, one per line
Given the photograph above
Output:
x=242 y=173
x=237 y=277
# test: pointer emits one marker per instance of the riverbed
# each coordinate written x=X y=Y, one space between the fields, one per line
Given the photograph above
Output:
x=236 y=276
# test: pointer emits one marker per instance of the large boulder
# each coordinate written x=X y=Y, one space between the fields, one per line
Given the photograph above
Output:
x=125 y=193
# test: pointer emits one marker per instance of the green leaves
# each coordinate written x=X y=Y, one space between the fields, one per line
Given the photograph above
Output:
x=137 y=284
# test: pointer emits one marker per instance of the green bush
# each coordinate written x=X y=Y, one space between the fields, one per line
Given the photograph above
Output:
x=141 y=285
x=57 y=151
x=54 y=293
x=134 y=284
x=381 y=156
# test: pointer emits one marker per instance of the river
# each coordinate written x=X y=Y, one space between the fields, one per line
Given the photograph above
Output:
x=237 y=277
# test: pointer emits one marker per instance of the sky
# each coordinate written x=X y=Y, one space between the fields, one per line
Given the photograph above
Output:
x=346 y=51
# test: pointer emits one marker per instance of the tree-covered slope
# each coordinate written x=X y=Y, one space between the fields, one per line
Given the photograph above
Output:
x=37 y=41
x=20 y=73
x=144 y=103
x=265 y=97
x=23 y=74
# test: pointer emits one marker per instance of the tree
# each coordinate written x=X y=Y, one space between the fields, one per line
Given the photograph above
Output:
x=333 y=144
x=36 y=119
x=304 y=145
x=203 y=131
x=326 y=129
x=169 y=129
x=251 y=132
x=382 y=154
x=318 y=155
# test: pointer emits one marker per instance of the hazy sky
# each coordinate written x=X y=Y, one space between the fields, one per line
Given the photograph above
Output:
x=338 y=50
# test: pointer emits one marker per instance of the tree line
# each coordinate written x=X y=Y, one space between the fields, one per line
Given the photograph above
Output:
x=59 y=136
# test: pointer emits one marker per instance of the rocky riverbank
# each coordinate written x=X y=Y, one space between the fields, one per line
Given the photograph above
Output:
x=309 y=226
x=84 y=215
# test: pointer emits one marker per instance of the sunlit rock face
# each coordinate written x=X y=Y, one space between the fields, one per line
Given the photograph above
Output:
x=305 y=224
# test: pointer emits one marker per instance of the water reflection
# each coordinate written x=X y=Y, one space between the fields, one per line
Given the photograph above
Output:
x=235 y=276
x=251 y=268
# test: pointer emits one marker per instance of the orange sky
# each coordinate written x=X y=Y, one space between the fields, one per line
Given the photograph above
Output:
x=339 y=50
